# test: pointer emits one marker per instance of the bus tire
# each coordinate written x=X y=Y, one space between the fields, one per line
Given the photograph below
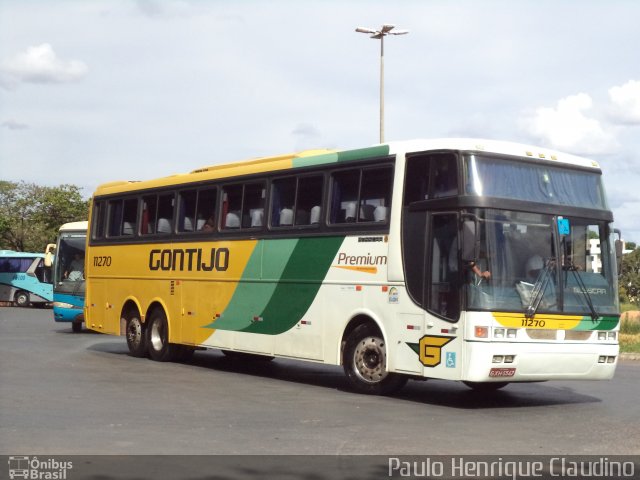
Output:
x=22 y=298
x=157 y=334
x=365 y=357
x=76 y=327
x=136 y=335
x=485 y=386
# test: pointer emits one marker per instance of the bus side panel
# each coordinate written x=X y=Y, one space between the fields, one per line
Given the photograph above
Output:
x=101 y=315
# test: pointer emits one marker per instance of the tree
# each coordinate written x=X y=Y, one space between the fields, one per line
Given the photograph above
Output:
x=30 y=215
x=630 y=276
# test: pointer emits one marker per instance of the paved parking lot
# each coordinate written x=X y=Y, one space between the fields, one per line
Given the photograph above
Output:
x=66 y=393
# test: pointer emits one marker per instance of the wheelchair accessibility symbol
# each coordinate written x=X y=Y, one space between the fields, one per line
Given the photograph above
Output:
x=451 y=360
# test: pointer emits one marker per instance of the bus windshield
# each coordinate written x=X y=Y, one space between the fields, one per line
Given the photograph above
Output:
x=69 y=265
x=540 y=182
x=543 y=264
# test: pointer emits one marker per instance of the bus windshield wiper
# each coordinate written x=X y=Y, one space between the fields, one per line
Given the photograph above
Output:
x=537 y=293
x=583 y=289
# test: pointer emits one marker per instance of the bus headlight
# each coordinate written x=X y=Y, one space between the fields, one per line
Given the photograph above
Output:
x=612 y=335
x=602 y=335
x=498 y=332
x=62 y=305
x=512 y=332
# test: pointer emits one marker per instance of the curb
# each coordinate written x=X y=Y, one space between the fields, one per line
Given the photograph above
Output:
x=630 y=356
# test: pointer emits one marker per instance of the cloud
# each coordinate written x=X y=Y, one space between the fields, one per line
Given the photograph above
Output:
x=567 y=127
x=14 y=125
x=40 y=64
x=625 y=100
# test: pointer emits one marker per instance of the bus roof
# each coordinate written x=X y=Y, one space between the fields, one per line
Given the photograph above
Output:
x=13 y=254
x=74 y=226
x=319 y=157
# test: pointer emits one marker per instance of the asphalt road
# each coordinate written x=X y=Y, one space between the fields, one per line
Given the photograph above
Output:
x=65 y=394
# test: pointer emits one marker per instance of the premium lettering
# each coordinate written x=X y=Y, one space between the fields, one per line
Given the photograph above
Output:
x=189 y=259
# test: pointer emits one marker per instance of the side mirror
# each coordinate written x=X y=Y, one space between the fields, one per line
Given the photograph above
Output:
x=49 y=253
x=619 y=247
x=469 y=241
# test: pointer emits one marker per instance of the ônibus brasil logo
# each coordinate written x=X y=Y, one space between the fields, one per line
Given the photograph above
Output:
x=34 y=468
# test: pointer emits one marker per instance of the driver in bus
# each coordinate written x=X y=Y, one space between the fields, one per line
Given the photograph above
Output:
x=76 y=268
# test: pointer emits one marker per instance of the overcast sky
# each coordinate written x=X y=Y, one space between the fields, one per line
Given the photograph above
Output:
x=93 y=91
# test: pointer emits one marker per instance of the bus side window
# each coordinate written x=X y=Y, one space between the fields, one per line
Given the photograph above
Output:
x=115 y=218
x=149 y=210
x=283 y=194
x=444 y=173
x=443 y=296
x=187 y=210
x=375 y=194
x=309 y=200
x=231 y=206
x=165 y=214
x=99 y=214
x=206 y=210
x=344 y=196
x=416 y=184
x=129 y=217
x=253 y=205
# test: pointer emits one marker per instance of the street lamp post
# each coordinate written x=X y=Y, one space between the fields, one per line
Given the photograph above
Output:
x=385 y=30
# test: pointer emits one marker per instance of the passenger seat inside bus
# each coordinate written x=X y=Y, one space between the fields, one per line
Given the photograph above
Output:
x=380 y=213
x=164 y=226
x=315 y=215
x=232 y=220
x=286 y=217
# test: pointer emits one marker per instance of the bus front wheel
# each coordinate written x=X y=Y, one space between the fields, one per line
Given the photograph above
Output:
x=76 y=327
x=365 y=360
x=22 y=299
x=158 y=344
x=136 y=335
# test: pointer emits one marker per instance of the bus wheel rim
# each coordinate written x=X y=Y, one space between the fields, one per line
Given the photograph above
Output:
x=134 y=332
x=156 y=337
x=369 y=359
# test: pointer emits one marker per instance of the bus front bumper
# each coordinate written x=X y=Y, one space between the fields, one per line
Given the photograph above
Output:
x=534 y=362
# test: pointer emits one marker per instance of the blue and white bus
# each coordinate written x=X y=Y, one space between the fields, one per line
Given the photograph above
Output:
x=24 y=279
x=68 y=287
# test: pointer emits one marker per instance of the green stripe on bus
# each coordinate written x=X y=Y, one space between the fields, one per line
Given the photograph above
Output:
x=346 y=156
x=361 y=153
x=603 y=323
x=298 y=286
x=257 y=285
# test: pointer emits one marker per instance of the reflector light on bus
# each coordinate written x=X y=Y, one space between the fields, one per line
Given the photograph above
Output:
x=482 y=332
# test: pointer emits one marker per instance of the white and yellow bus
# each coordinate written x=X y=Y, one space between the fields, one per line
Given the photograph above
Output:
x=460 y=259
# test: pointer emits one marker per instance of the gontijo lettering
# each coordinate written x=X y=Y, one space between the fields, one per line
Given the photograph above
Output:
x=189 y=259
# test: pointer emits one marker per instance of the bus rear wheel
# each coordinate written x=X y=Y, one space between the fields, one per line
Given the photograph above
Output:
x=136 y=335
x=365 y=360
x=22 y=298
x=157 y=334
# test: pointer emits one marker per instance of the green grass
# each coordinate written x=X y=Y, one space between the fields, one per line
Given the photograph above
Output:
x=629 y=343
x=630 y=333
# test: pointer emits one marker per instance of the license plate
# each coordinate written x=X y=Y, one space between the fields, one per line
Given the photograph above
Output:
x=502 y=372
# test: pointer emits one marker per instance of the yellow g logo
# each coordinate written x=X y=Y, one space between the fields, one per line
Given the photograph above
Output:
x=431 y=349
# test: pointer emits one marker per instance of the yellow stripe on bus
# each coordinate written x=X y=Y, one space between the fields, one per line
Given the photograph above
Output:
x=541 y=320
